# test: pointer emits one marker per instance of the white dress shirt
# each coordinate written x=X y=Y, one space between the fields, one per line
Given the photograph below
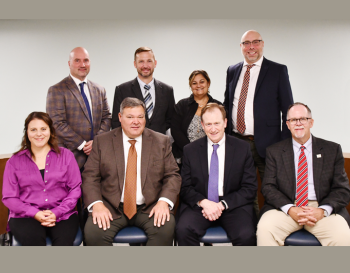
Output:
x=152 y=90
x=249 y=106
x=221 y=156
x=310 y=174
x=140 y=199
x=87 y=94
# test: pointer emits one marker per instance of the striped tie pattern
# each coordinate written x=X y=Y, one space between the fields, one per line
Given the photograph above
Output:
x=242 y=100
x=130 y=182
x=302 y=180
x=148 y=101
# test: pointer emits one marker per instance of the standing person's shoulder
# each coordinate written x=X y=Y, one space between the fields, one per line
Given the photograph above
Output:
x=273 y=64
x=62 y=84
x=127 y=84
x=163 y=85
x=96 y=85
x=234 y=66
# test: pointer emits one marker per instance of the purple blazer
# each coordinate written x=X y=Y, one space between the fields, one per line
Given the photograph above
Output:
x=25 y=193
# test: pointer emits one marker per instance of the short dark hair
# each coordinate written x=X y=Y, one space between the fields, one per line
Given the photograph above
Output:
x=131 y=103
x=300 y=103
x=25 y=140
x=198 y=72
x=212 y=105
x=143 y=49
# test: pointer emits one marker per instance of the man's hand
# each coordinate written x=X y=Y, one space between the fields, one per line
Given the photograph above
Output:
x=101 y=215
x=50 y=219
x=310 y=216
x=161 y=213
x=211 y=210
x=88 y=147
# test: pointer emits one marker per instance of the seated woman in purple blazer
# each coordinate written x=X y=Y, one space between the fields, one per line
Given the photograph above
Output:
x=41 y=187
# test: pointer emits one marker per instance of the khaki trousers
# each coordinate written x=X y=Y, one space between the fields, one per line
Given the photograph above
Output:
x=275 y=226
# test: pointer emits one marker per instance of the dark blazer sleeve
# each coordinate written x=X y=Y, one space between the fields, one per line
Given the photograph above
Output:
x=270 y=188
x=170 y=110
x=339 y=193
x=188 y=193
x=116 y=107
x=180 y=138
x=229 y=76
x=286 y=99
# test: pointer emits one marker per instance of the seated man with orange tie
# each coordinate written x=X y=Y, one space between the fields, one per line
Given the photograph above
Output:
x=131 y=179
x=218 y=184
x=305 y=186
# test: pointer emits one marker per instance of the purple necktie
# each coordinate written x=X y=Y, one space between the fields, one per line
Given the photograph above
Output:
x=213 y=184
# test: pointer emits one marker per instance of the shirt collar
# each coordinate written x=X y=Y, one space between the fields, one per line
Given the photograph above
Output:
x=151 y=83
x=221 y=142
x=126 y=138
x=77 y=81
x=307 y=144
x=257 y=63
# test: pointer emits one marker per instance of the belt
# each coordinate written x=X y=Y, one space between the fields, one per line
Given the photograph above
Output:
x=249 y=137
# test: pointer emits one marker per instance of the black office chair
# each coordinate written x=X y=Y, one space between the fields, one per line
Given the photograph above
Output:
x=301 y=238
x=131 y=235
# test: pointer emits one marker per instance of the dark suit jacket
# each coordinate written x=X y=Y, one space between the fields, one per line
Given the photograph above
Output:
x=330 y=179
x=240 y=184
x=103 y=176
x=184 y=112
x=163 y=109
x=273 y=95
x=67 y=109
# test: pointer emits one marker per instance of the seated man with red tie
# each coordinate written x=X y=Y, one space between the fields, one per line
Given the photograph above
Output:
x=130 y=179
x=218 y=184
x=305 y=186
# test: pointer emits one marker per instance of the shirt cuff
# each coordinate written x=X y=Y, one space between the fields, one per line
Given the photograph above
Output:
x=171 y=204
x=81 y=146
x=285 y=208
x=223 y=201
x=89 y=208
x=327 y=208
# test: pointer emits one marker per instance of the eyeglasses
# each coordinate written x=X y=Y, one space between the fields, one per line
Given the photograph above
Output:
x=294 y=121
x=248 y=43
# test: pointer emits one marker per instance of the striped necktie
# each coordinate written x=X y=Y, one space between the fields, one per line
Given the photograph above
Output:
x=148 y=101
x=302 y=180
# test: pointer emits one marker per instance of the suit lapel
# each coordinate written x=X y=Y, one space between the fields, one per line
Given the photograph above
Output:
x=138 y=93
x=317 y=165
x=147 y=141
x=76 y=92
x=94 y=103
x=262 y=73
x=229 y=151
x=159 y=96
x=288 y=161
x=119 y=154
x=203 y=161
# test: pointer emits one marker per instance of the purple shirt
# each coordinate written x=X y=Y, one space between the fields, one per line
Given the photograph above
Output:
x=25 y=192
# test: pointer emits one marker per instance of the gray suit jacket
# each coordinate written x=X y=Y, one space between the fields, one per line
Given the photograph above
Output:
x=103 y=176
x=330 y=179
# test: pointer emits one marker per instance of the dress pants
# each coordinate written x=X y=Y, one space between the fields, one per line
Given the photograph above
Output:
x=239 y=224
x=30 y=232
x=157 y=236
x=275 y=226
x=259 y=163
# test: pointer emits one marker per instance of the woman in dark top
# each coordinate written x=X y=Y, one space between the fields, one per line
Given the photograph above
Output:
x=41 y=187
x=186 y=122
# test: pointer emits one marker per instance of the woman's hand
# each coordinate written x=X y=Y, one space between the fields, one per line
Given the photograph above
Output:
x=46 y=217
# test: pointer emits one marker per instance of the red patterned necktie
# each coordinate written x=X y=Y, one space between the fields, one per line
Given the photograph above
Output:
x=242 y=100
x=302 y=180
x=130 y=182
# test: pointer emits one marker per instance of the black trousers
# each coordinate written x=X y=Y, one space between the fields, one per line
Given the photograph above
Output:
x=239 y=224
x=30 y=232
x=157 y=236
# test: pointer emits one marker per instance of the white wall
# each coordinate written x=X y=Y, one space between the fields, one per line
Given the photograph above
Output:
x=34 y=56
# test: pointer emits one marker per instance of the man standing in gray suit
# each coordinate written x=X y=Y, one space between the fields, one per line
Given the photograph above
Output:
x=305 y=186
x=156 y=95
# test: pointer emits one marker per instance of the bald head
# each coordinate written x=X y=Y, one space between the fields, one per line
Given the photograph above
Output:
x=79 y=63
x=252 y=46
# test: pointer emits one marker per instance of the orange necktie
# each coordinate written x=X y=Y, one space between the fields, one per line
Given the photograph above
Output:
x=130 y=182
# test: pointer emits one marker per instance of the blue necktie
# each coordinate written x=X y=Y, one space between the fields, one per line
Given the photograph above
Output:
x=213 y=184
x=87 y=107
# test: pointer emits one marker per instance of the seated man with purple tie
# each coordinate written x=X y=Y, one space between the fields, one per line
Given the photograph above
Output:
x=131 y=179
x=218 y=184
x=305 y=186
